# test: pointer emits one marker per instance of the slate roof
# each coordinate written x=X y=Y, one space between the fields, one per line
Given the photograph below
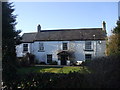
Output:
x=66 y=35
x=28 y=37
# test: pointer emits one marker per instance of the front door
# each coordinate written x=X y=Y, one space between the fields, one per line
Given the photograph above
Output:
x=63 y=60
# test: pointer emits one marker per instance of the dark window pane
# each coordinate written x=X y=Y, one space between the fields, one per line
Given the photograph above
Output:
x=88 y=45
x=88 y=56
x=64 y=46
x=41 y=46
x=25 y=47
x=49 y=58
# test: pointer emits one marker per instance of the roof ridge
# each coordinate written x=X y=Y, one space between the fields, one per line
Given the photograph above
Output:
x=31 y=33
x=71 y=29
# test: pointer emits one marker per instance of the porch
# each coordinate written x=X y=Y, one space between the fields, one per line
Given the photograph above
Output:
x=64 y=58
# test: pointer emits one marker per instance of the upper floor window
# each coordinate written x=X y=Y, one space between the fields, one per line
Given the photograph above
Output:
x=65 y=46
x=41 y=47
x=25 y=47
x=88 y=45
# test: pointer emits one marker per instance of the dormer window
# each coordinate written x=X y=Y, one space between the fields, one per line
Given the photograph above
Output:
x=65 y=46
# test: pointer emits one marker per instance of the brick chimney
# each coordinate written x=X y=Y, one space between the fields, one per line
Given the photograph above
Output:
x=104 y=26
x=38 y=28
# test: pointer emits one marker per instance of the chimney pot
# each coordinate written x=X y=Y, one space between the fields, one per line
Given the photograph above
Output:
x=103 y=25
x=39 y=28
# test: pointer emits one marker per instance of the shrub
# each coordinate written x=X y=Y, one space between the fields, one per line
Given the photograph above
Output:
x=106 y=71
x=27 y=59
x=54 y=63
x=24 y=61
x=31 y=58
x=106 y=74
x=36 y=61
x=46 y=80
x=42 y=63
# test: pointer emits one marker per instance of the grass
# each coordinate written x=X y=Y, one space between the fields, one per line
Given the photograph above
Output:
x=48 y=69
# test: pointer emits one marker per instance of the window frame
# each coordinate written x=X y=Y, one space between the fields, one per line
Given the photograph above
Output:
x=25 y=47
x=50 y=58
x=64 y=47
x=41 y=47
x=88 y=45
x=88 y=56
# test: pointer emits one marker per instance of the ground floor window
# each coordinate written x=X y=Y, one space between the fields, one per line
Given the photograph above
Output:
x=88 y=56
x=49 y=58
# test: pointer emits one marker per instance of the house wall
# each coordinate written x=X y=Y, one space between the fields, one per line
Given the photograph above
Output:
x=79 y=50
x=98 y=47
x=50 y=47
x=54 y=47
x=101 y=46
x=19 y=49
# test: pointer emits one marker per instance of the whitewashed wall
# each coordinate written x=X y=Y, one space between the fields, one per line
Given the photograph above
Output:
x=101 y=48
x=50 y=47
x=19 y=49
x=53 y=47
x=79 y=50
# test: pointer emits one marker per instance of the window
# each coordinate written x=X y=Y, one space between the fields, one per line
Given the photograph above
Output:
x=49 y=58
x=41 y=47
x=88 y=56
x=65 y=46
x=25 y=47
x=88 y=45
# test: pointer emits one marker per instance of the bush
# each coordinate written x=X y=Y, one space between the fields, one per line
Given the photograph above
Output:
x=31 y=58
x=46 y=80
x=54 y=63
x=27 y=59
x=36 y=61
x=42 y=63
x=106 y=72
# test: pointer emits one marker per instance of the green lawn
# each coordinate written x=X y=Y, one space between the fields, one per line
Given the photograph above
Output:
x=48 y=69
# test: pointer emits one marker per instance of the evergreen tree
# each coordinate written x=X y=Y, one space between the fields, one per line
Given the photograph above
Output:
x=9 y=38
x=116 y=30
x=113 y=45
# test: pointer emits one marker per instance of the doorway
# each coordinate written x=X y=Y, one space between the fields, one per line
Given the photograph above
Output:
x=63 y=59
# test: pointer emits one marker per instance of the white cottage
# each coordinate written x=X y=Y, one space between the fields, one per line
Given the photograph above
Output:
x=65 y=45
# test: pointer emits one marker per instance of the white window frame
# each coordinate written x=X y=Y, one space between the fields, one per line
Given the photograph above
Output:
x=41 y=46
x=63 y=47
x=88 y=56
x=25 y=48
x=88 y=45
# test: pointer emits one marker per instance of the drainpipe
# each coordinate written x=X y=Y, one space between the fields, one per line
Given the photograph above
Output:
x=94 y=46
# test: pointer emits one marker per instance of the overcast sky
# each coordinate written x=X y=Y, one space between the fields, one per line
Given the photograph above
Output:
x=65 y=15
